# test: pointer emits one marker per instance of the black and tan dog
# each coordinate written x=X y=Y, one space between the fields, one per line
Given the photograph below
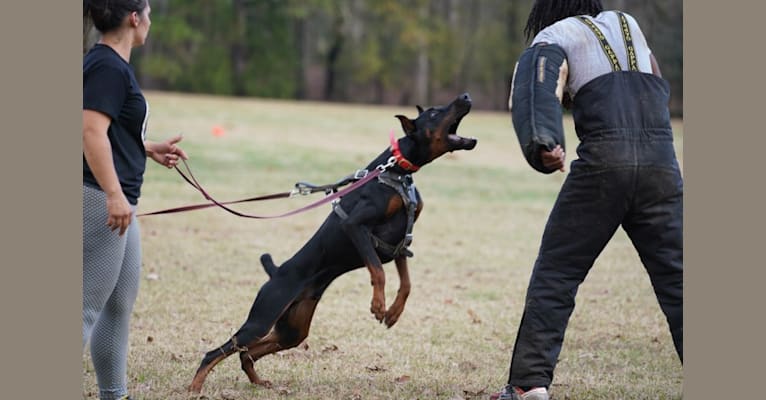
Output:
x=370 y=226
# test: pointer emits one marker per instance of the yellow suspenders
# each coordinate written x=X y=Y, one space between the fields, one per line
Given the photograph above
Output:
x=631 y=51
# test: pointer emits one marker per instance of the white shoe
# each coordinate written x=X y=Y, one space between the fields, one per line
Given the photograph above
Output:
x=513 y=393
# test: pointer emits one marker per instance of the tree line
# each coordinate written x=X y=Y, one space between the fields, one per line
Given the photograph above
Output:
x=370 y=51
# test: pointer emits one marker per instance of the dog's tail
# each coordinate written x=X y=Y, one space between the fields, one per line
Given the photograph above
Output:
x=268 y=264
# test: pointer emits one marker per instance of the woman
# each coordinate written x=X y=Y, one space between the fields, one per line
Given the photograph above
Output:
x=115 y=149
x=626 y=175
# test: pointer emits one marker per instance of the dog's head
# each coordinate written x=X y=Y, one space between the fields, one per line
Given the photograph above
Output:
x=434 y=131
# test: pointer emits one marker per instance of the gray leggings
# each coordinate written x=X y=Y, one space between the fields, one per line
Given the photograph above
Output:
x=111 y=266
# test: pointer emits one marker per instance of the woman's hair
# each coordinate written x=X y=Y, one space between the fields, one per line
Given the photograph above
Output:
x=107 y=15
x=547 y=12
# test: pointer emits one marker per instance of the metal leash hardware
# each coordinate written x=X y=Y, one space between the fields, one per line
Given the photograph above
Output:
x=302 y=189
x=390 y=163
x=305 y=188
x=381 y=168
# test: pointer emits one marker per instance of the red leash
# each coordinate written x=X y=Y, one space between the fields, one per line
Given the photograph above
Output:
x=396 y=158
x=193 y=181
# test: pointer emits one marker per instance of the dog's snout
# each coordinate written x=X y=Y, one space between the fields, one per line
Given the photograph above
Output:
x=465 y=97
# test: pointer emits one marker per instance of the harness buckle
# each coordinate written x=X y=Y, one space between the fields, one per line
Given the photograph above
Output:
x=360 y=174
x=407 y=240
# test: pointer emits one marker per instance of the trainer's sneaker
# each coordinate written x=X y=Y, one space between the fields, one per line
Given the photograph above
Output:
x=513 y=393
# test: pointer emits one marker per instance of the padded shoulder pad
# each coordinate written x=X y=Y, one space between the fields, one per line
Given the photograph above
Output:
x=535 y=107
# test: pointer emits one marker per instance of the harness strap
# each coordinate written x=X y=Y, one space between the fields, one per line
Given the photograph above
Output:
x=339 y=210
x=608 y=50
x=403 y=185
x=394 y=251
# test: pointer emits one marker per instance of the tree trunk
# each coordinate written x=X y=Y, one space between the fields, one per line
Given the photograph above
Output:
x=302 y=35
x=333 y=54
x=239 y=48
x=422 y=69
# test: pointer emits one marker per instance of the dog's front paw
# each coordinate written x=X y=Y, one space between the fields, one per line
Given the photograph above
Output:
x=391 y=318
x=393 y=314
x=378 y=308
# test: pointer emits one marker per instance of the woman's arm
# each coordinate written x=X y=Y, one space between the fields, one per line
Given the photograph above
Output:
x=98 y=154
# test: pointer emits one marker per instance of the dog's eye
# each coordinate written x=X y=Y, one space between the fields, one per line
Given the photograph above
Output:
x=434 y=114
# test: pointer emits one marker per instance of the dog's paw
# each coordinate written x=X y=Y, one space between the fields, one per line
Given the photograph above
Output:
x=391 y=318
x=195 y=387
x=393 y=314
x=379 y=310
x=266 y=384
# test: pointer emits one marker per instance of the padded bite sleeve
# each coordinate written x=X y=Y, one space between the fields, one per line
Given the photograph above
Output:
x=535 y=101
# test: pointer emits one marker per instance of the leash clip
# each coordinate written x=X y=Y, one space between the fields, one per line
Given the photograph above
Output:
x=303 y=189
x=390 y=163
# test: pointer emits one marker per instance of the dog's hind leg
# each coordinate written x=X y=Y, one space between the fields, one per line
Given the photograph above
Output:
x=393 y=313
x=294 y=325
x=267 y=345
x=273 y=299
x=208 y=362
x=289 y=331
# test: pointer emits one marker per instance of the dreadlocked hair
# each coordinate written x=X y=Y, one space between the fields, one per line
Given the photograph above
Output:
x=547 y=12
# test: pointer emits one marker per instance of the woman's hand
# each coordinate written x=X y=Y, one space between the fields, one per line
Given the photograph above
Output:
x=119 y=211
x=166 y=153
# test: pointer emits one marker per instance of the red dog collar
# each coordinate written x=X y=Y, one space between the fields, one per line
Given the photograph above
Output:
x=406 y=164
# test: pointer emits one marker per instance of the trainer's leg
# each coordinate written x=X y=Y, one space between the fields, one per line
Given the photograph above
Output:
x=656 y=229
x=586 y=215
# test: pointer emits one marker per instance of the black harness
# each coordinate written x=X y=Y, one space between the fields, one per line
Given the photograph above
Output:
x=405 y=186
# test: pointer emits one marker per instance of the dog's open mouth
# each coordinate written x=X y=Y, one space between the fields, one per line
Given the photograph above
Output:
x=456 y=142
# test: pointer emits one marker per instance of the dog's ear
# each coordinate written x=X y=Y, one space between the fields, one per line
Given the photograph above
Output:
x=408 y=125
x=420 y=109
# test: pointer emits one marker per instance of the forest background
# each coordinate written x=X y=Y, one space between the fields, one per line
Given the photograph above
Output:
x=363 y=51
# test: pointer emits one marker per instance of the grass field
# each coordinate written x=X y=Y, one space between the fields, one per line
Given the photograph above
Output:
x=475 y=244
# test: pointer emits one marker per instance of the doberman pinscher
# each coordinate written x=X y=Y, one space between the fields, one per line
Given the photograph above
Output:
x=368 y=227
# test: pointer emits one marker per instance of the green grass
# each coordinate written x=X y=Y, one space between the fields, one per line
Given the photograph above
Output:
x=474 y=247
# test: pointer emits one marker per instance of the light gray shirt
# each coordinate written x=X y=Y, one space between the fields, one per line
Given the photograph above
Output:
x=585 y=56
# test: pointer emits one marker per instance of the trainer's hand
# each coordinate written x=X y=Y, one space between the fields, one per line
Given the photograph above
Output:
x=166 y=153
x=119 y=211
x=553 y=159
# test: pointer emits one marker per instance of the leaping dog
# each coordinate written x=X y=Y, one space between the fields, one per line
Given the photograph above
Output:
x=368 y=227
